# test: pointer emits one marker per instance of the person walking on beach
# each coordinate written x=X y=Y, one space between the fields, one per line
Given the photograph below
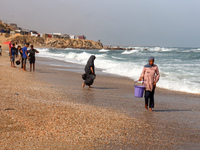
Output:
x=32 y=57
x=12 y=56
x=150 y=76
x=89 y=72
x=24 y=55
x=0 y=51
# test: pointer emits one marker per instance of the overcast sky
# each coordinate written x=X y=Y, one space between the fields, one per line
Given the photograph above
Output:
x=169 y=23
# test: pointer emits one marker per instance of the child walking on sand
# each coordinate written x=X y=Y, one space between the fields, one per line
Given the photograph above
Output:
x=32 y=52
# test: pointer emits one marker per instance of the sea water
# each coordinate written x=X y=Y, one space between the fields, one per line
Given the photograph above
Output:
x=179 y=67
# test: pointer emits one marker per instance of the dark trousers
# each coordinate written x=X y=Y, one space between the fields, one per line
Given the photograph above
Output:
x=149 y=98
x=22 y=62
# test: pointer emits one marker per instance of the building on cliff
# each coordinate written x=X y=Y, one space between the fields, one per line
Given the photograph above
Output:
x=72 y=36
x=65 y=36
x=18 y=32
x=56 y=35
x=33 y=33
x=46 y=35
x=13 y=25
x=81 y=37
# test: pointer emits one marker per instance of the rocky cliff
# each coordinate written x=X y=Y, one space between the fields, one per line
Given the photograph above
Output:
x=58 y=43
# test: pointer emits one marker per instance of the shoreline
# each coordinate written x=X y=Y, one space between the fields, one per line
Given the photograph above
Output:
x=103 y=73
x=52 y=111
x=134 y=71
x=106 y=74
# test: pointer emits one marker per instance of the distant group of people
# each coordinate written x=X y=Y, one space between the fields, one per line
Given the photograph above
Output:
x=15 y=49
x=150 y=76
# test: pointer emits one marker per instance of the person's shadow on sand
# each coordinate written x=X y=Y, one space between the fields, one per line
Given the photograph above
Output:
x=169 y=110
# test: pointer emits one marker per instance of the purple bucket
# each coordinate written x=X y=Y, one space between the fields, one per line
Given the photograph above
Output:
x=139 y=90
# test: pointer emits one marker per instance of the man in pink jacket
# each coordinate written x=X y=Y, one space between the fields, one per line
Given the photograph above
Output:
x=150 y=76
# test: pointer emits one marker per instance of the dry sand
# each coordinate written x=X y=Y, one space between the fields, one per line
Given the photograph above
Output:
x=47 y=109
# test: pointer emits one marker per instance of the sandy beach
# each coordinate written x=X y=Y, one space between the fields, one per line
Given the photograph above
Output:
x=48 y=109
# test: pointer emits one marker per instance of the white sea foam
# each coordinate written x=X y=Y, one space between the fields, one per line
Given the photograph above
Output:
x=118 y=58
x=130 y=51
x=103 y=50
x=140 y=48
x=68 y=48
x=167 y=49
x=42 y=49
x=162 y=49
x=119 y=68
x=175 y=84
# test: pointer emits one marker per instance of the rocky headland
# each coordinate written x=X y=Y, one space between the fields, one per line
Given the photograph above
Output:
x=58 y=43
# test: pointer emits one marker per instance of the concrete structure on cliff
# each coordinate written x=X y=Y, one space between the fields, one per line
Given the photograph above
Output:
x=81 y=37
x=13 y=25
x=72 y=36
x=56 y=35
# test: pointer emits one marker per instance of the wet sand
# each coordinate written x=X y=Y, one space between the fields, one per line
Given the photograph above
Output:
x=176 y=114
x=48 y=109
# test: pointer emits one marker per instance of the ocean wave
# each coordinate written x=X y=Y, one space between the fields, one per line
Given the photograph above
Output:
x=130 y=51
x=68 y=49
x=42 y=49
x=118 y=58
x=191 y=50
x=176 y=84
x=162 y=49
x=103 y=50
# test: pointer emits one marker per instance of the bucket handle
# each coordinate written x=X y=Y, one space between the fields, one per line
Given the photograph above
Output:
x=142 y=83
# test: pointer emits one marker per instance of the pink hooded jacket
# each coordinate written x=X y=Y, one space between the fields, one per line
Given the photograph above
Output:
x=150 y=75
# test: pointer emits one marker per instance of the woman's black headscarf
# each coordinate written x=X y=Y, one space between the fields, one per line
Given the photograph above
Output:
x=90 y=63
x=148 y=65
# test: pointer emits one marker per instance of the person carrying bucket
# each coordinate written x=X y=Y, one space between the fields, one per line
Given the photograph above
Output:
x=150 y=75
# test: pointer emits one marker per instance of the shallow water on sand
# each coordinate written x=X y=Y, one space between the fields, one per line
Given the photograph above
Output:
x=176 y=114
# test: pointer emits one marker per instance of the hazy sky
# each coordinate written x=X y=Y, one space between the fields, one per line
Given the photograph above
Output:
x=167 y=23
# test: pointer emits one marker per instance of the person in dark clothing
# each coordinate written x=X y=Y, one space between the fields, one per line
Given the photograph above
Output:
x=12 y=56
x=21 y=55
x=32 y=52
x=89 y=72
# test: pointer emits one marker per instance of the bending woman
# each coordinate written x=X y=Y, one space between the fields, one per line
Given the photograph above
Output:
x=90 y=72
x=150 y=76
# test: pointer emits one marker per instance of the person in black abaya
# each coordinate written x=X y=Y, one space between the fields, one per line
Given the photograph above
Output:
x=89 y=72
